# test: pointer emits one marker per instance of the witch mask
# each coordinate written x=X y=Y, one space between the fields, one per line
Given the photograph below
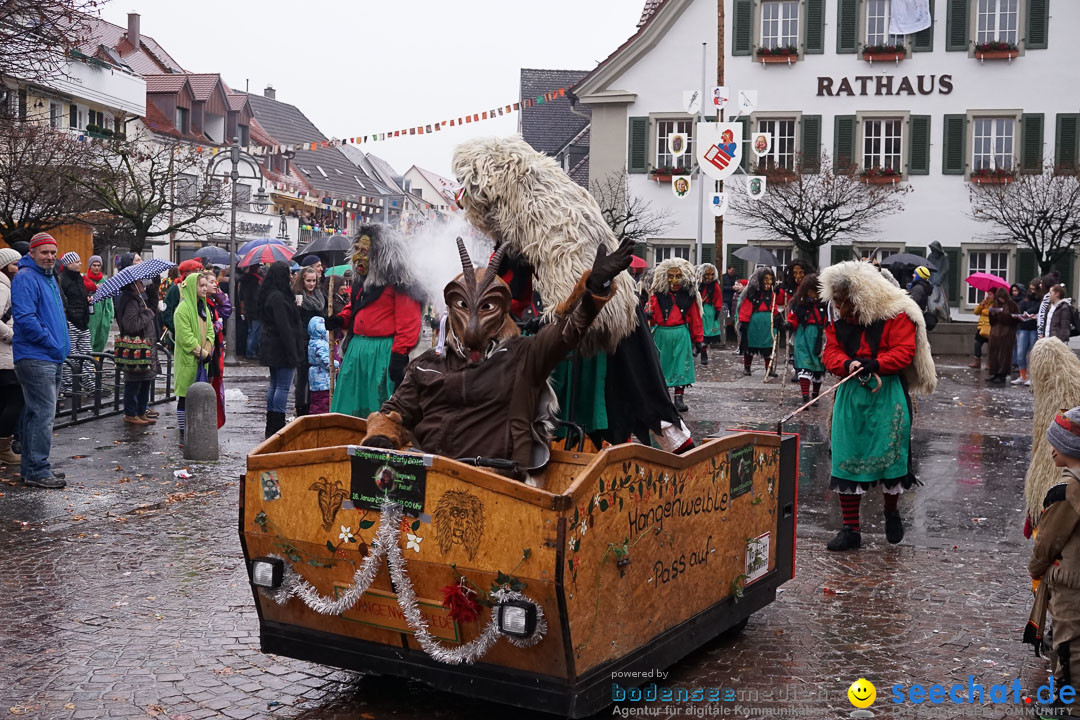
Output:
x=478 y=304
x=674 y=279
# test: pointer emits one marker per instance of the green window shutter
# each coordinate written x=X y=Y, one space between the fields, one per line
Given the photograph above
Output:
x=956 y=26
x=1066 y=141
x=924 y=39
x=847 y=26
x=738 y=263
x=955 y=273
x=1031 y=142
x=810 y=134
x=844 y=156
x=919 y=145
x=706 y=253
x=1065 y=267
x=1027 y=266
x=916 y=250
x=1038 y=25
x=637 y=154
x=954 y=154
x=840 y=253
x=742 y=27
x=745 y=122
x=815 y=27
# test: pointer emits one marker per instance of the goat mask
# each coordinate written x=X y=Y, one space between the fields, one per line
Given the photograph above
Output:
x=478 y=303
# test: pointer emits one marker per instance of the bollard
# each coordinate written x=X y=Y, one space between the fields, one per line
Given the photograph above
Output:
x=201 y=436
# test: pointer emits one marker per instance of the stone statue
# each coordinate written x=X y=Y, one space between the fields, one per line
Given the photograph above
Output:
x=939 y=281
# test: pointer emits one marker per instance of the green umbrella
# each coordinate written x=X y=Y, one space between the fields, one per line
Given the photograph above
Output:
x=337 y=270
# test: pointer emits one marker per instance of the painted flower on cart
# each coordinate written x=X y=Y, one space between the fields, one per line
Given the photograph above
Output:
x=584 y=526
x=414 y=542
x=346 y=534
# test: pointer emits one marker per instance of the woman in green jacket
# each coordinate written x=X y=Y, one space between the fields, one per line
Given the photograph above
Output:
x=194 y=339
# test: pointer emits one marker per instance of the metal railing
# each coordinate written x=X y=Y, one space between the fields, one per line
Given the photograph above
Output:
x=105 y=397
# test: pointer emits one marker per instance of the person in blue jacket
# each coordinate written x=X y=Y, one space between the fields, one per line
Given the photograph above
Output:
x=40 y=346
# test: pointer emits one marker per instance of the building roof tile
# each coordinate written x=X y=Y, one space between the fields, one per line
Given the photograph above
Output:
x=149 y=59
x=549 y=127
x=165 y=83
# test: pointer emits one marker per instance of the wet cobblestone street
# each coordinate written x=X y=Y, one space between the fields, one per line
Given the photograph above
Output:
x=125 y=595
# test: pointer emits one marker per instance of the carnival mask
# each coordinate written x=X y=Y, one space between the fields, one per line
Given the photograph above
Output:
x=478 y=302
x=797 y=274
x=362 y=256
x=674 y=279
x=708 y=276
x=767 y=282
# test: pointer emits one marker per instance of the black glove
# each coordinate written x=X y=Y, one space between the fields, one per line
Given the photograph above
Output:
x=398 y=362
x=789 y=327
x=531 y=326
x=699 y=348
x=380 y=441
x=334 y=322
x=606 y=267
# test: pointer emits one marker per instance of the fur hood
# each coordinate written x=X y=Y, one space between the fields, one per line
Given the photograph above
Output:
x=700 y=275
x=659 y=284
x=523 y=198
x=388 y=261
x=876 y=299
x=1054 y=370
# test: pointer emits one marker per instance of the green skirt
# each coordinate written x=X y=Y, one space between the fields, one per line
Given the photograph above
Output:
x=759 y=334
x=710 y=321
x=676 y=354
x=871 y=434
x=807 y=348
x=590 y=401
x=363 y=384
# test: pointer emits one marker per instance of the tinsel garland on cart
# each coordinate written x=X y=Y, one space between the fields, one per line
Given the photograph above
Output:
x=386 y=544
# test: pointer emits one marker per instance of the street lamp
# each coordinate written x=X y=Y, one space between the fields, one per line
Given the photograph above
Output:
x=260 y=200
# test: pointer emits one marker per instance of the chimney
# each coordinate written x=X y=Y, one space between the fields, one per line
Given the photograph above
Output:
x=269 y=92
x=133 y=30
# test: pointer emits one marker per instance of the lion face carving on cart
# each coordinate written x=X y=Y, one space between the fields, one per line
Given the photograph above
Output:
x=459 y=520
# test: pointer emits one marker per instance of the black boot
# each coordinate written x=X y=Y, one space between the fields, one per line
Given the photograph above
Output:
x=894 y=528
x=680 y=404
x=704 y=355
x=846 y=539
x=274 y=422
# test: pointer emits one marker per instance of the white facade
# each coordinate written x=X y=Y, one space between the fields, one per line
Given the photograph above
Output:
x=87 y=92
x=647 y=79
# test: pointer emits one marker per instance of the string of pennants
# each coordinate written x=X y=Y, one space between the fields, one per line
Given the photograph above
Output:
x=424 y=129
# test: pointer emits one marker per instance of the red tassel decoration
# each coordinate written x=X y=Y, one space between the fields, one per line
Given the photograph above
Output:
x=460 y=600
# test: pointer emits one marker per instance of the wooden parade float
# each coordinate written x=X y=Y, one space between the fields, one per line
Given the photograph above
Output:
x=434 y=569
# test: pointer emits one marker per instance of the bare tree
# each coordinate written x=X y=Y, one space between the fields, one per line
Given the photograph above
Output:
x=630 y=217
x=36 y=35
x=158 y=187
x=1039 y=211
x=37 y=188
x=812 y=209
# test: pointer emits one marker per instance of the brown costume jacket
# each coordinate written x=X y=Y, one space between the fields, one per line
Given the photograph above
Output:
x=489 y=409
x=1059 y=536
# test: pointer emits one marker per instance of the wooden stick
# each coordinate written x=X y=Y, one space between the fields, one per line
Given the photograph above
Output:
x=780 y=424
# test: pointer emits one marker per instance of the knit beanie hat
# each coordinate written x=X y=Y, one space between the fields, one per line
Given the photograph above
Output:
x=70 y=257
x=923 y=272
x=8 y=256
x=310 y=260
x=93 y=259
x=42 y=238
x=1064 y=433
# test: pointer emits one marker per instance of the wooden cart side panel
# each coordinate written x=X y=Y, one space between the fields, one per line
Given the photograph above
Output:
x=650 y=545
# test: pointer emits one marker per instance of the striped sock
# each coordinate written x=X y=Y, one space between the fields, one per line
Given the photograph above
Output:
x=891 y=502
x=849 y=509
x=747 y=360
x=804 y=385
x=817 y=389
x=181 y=421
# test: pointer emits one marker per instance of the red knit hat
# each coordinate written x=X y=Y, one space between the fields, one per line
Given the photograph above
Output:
x=42 y=238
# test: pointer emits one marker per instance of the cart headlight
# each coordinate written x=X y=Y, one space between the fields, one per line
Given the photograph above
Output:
x=517 y=618
x=266 y=572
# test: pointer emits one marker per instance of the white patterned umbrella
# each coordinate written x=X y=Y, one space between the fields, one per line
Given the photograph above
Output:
x=111 y=287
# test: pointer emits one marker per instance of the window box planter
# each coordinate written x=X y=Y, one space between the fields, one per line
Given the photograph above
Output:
x=786 y=55
x=664 y=175
x=992 y=179
x=884 y=53
x=996 y=51
x=881 y=177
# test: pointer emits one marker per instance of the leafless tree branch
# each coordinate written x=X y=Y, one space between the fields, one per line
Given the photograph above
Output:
x=36 y=35
x=630 y=217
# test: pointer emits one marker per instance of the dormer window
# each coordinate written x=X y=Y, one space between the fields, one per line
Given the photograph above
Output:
x=182 y=115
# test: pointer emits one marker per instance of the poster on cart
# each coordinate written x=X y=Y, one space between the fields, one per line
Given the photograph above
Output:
x=379 y=475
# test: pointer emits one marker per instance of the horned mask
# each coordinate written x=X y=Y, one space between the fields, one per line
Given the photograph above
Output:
x=478 y=304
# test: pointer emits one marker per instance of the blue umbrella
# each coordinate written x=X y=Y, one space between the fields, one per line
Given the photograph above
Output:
x=111 y=287
x=214 y=255
x=251 y=244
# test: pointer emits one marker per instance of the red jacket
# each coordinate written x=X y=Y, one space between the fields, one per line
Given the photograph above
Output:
x=895 y=346
x=717 y=294
x=675 y=318
x=748 y=308
x=814 y=316
x=392 y=314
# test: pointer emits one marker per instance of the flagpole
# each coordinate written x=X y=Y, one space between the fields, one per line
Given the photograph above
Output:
x=701 y=173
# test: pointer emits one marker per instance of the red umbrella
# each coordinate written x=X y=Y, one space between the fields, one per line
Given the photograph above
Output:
x=637 y=263
x=266 y=254
x=986 y=282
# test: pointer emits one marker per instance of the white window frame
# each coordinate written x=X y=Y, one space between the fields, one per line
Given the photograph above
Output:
x=662 y=250
x=983 y=10
x=783 y=39
x=904 y=118
x=56 y=116
x=765 y=123
x=971 y=295
x=974 y=120
x=887 y=38
x=662 y=127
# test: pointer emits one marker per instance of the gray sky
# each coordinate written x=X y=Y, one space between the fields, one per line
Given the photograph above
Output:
x=355 y=68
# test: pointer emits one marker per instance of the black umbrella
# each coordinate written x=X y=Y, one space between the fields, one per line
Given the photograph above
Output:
x=907 y=260
x=330 y=249
x=213 y=255
x=757 y=256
